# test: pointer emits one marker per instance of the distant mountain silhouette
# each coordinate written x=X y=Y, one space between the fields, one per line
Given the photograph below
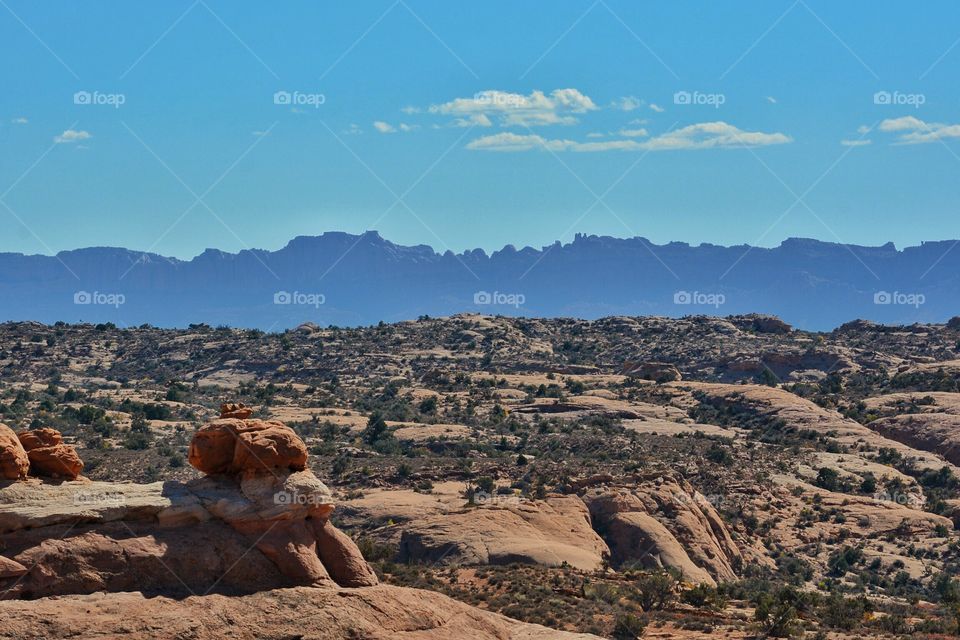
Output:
x=344 y=279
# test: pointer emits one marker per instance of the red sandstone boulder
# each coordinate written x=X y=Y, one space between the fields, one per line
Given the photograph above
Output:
x=232 y=446
x=276 y=446
x=14 y=463
x=49 y=456
x=235 y=410
x=211 y=450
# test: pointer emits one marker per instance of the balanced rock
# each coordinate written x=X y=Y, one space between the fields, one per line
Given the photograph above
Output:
x=281 y=507
x=49 y=456
x=14 y=463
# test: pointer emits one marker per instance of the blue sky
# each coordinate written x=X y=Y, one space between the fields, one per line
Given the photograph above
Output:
x=476 y=125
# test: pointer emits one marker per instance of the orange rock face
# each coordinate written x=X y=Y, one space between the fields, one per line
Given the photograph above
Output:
x=232 y=446
x=14 y=463
x=49 y=456
x=341 y=556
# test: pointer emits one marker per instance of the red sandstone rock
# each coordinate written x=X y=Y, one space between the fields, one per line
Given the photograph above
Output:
x=341 y=556
x=273 y=447
x=211 y=450
x=48 y=456
x=11 y=568
x=14 y=463
x=235 y=410
x=231 y=445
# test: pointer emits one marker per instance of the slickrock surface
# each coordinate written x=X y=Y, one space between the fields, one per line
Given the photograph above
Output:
x=378 y=613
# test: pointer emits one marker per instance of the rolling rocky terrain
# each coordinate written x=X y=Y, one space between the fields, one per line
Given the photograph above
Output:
x=481 y=476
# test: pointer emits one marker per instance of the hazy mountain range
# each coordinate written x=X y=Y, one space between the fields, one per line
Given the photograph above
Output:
x=343 y=279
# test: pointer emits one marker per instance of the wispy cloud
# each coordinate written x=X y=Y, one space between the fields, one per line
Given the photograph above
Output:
x=627 y=103
x=20 y=120
x=70 y=135
x=705 y=135
x=386 y=127
x=657 y=108
x=860 y=142
x=912 y=130
x=560 y=106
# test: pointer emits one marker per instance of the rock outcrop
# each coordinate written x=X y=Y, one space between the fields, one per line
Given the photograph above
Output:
x=665 y=523
x=262 y=525
x=376 y=613
x=235 y=445
x=14 y=463
x=49 y=456
x=547 y=532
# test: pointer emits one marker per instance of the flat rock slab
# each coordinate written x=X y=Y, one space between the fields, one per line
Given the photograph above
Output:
x=376 y=613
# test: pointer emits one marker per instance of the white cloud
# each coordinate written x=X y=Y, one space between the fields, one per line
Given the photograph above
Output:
x=20 y=120
x=260 y=133
x=628 y=103
x=912 y=130
x=711 y=135
x=408 y=127
x=771 y=100
x=475 y=120
x=657 y=108
x=596 y=134
x=383 y=127
x=561 y=106
x=633 y=133
x=507 y=141
x=861 y=142
x=70 y=136
x=353 y=130
x=706 y=135
x=410 y=110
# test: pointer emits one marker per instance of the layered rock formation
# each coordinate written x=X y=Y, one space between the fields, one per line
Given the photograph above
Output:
x=665 y=523
x=375 y=613
x=263 y=520
x=547 y=532
x=257 y=523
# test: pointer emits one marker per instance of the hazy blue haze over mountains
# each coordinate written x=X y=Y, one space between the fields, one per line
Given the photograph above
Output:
x=343 y=279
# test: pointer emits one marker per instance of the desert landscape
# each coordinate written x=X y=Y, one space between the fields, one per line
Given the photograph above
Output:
x=480 y=477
